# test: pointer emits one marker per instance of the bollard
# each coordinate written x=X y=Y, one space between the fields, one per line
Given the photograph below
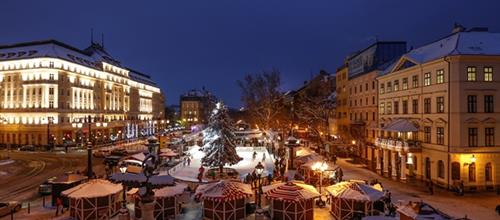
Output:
x=12 y=214
x=29 y=208
x=43 y=201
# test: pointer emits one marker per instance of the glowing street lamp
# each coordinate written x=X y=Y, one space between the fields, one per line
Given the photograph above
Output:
x=321 y=167
x=259 y=169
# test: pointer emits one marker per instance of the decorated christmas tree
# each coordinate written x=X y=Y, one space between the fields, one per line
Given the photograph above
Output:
x=219 y=140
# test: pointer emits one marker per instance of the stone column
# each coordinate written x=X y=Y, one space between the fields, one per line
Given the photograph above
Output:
x=378 y=155
x=393 y=163
x=385 y=159
x=403 y=166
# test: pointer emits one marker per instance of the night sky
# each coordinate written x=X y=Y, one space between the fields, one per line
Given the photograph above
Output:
x=188 y=44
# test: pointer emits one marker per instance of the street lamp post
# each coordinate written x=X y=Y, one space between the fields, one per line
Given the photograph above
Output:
x=124 y=211
x=259 y=169
x=321 y=167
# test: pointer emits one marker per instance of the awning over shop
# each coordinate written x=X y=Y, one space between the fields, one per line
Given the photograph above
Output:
x=401 y=125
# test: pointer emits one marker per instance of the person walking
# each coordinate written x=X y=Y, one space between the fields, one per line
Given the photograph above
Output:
x=431 y=187
x=189 y=161
x=59 y=204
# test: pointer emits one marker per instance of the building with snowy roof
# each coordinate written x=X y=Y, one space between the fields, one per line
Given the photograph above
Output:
x=52 y=83
x=438 y=114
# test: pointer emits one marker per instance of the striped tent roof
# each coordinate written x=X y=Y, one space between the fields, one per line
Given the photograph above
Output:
x=355 y=190
x=224 y=190
x=290 y=191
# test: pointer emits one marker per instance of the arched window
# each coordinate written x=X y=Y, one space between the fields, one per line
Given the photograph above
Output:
x=472 y=172
x=488 y=172
x=440 y=170
x=455 y=171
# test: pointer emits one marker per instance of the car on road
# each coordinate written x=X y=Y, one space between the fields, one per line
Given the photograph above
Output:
x=119 y=152
x=27 y=148
x=45 y=189
x=7 y=207
x=101 y=153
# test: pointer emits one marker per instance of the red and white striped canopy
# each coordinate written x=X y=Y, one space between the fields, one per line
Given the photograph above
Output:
x=224 y=190
x=291 y=191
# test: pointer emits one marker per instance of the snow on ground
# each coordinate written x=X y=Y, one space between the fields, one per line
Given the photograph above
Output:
x=245 y=166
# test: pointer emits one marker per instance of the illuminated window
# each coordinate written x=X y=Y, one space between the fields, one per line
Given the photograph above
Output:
x=427 y=79
x=382 y=89
x=440 y=104
x=440 y=135
x=396 y=85
x=471 y=73
x=488 y=74
x=405 y=83
x=440 y=76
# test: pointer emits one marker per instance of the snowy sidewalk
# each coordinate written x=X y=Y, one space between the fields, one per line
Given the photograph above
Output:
x=480 y=205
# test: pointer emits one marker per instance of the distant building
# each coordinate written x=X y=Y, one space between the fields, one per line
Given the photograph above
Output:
x=196 y=106
x=172 y=114
x=438 y=118
x=50 y=93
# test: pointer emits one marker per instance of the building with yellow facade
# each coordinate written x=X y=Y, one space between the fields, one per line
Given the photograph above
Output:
x=438 y=114
x=52 y=93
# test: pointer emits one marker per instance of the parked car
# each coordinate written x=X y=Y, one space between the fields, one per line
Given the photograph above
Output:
x=7 y=207
x=27 y=148
x=119 y=152
x=101 y=153
x=45 y=189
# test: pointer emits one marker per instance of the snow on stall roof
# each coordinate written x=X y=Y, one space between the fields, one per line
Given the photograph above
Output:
x=224 y=189
x=294 y=191
x=92 y=189
x=355 y=190
x=421 y=210
x=158 y=180
x=169 y=191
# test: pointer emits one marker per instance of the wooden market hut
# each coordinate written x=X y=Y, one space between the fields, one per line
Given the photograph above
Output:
x=95 y=199
x=312 y=177
x=64 y=182
x=291 y=200
x=167 y=202
x=353 y=199
x=421 y=210
x=224 y=200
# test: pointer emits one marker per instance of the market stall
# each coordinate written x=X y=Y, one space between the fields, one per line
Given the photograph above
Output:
x=353 y=199
x=291 y=200
x=224 y=200
x=95 y=199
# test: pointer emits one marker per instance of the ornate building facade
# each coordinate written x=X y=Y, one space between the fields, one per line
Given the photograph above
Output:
x=438 y=114
x=52 y=93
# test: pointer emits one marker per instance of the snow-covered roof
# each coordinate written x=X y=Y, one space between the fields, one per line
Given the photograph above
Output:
x=224 y=190
x=92 y=189
x=460 y=43
x=421 y=211
x=292 y=191
x=92 y=56
x=355 y=190
x=137 y=179
x=170 y=191
x=401 y=125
